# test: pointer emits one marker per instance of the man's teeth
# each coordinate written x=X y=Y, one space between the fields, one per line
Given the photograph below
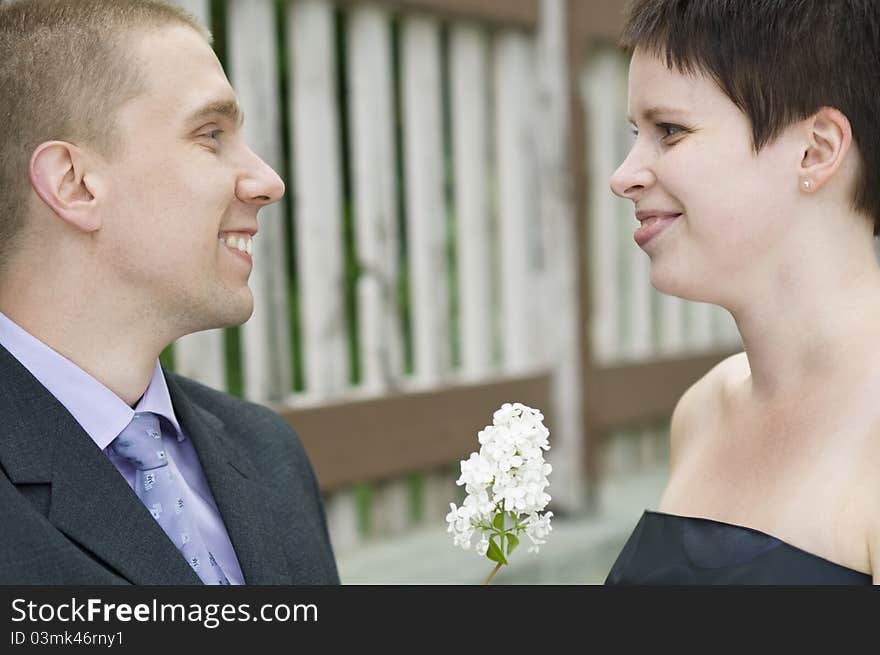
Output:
x=243 y=244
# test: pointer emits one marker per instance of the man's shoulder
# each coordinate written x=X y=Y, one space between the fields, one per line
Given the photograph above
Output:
x=258 y=430
x=231 y=409
x=211 y=397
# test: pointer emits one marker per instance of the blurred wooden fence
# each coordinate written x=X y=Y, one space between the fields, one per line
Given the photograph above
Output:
x=448 y=243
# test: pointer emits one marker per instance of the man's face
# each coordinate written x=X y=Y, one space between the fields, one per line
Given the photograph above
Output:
x=185 y=185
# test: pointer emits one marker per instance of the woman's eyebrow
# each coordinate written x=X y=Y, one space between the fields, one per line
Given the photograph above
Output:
x=652 y=112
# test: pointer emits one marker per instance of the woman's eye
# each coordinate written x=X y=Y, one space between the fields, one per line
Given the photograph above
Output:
x=668 y=130
x=213 y=134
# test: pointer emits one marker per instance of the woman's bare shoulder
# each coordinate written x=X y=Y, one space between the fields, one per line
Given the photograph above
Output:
x=701 y=401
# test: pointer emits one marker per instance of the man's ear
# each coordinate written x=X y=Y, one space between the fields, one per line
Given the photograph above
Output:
x=829 y=138
x=58 y=173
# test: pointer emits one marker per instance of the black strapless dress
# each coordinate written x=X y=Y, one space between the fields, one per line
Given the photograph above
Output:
x=666 y=549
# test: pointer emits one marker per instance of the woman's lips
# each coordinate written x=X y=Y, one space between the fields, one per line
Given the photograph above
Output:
x=652 y=225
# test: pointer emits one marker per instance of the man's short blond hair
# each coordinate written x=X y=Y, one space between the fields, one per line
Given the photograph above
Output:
x=66 y=67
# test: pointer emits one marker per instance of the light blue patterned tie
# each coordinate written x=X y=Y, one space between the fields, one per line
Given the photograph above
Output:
x=141 y=443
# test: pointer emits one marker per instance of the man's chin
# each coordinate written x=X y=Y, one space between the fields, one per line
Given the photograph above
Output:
x=232 y=314
x=239 y=316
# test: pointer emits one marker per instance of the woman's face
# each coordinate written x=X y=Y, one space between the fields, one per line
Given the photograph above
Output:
x=713 y=214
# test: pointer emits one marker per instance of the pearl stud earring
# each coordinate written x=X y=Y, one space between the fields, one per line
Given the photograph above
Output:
x=808 y=184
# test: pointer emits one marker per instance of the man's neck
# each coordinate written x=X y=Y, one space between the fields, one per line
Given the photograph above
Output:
x=121 y=360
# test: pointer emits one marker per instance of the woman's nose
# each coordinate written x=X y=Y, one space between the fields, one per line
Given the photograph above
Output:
x=631 y=178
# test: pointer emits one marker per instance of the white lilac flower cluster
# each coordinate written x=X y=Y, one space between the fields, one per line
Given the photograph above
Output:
x=505 y=481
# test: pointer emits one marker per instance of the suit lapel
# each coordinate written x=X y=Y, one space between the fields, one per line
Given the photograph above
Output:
x=93 y=505
x=40 y=442
x=243 y=503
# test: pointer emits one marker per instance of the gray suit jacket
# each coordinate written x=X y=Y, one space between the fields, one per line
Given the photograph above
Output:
x=68 y=517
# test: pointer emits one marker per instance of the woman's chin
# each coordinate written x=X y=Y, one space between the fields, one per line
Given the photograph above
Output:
x=673 y=283
x=666 y=282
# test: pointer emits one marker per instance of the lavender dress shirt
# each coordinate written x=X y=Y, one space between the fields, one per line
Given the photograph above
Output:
x=103 y=415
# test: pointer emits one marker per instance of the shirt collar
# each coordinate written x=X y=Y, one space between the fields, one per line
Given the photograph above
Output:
x=100 y=412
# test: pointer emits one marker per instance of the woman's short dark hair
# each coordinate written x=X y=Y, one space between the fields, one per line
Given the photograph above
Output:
x=779 y=61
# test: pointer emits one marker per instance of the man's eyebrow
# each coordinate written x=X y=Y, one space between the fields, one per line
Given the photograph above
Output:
x=651 y=113
x=226 y=108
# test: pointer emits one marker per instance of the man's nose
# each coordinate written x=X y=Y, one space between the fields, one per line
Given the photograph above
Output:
x=262 y=185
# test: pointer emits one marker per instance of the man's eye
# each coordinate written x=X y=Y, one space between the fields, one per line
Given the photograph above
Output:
x=213 y=134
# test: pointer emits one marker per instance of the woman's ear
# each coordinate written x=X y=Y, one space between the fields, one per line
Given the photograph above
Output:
x=829 y=138
x=59 y=174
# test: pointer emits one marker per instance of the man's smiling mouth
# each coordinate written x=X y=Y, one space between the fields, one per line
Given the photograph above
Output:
x=238 y=241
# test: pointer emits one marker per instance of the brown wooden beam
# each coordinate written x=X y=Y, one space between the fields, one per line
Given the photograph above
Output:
x=510 y=13
x=353 y=441
x=597 y=20
x=367 y=440
x=630 y=394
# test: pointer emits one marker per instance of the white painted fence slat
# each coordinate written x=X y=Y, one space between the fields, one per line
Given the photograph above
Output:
x=375 y=190
x=634 y=265
x=650 y=447
x=468 y=53
x=601 y=91
x=253 y=71
x=426 y=238
x=425 y=206
x=470 y=128
x=342 y=522
x=672 y=335
x=725 y=330
x=624 y=303
x=642 y=297
x=375 y=195
x=438 y=491
x=637 y=275
x=604 y=94
x=199 y=8
x=390 y=508
x=517 y=211
x=700 y=326
x=201 y=356
x=561 y=326
x=315 y=124
x=315 y=133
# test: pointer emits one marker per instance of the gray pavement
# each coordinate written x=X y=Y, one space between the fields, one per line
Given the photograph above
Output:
x=580 y=549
